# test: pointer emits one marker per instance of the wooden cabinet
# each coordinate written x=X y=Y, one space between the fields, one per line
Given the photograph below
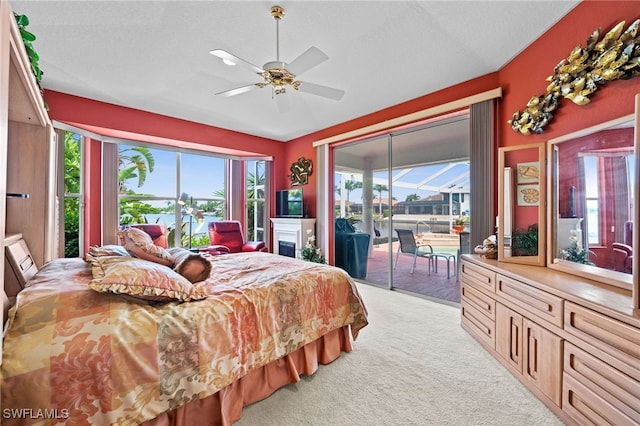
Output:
x=575 y=343
x=542 y=362
x=27 y=150
x=530 y=351
x=596 y=392
x=509 y=341
x=477 y=305
x=601 y=368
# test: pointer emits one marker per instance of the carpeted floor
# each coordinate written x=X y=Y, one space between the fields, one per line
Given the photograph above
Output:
x=412 y=365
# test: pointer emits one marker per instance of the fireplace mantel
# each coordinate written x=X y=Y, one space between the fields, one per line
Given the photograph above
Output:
x=291 y=230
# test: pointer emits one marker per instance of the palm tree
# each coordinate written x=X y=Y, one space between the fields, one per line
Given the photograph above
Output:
x=255 y=195
x=349 y=186
x=412 y=197
x=134 y=162
x=380 y=189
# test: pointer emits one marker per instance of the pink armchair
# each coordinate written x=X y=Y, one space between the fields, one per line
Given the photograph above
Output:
x=157 y=232
x=622 y=258
x=226 y=236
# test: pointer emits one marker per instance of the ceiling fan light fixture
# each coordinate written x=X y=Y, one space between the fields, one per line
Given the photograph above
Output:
x=278 y=74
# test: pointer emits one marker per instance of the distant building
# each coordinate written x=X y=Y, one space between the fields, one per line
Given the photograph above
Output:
x=437 y=205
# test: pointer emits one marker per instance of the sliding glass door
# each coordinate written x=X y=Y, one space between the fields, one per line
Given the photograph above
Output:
x=362 y=205
x=407 y=190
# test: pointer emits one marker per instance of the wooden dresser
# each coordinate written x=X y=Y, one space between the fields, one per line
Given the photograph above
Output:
x=573 y=342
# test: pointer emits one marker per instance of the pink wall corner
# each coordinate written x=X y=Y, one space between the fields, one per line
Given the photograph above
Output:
x=525 y=76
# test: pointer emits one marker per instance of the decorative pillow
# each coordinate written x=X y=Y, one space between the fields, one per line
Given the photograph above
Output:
x=141 y=279
x=193 y=266
x=108 y=250
x=139 y=244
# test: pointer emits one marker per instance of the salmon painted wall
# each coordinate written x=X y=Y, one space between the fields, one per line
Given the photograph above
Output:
x=293 y=153
x=112 y=118
x=93 y=195
x=525 y=76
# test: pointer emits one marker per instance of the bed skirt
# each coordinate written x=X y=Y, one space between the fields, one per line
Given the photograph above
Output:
x=225 y=406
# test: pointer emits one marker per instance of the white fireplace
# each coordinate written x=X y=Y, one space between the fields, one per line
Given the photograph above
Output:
x=290 y=235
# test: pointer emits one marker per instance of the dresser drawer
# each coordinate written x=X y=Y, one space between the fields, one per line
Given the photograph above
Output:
x=530 y=299
x=478 y=324
x=587 y=407
x=478 y=277
x=479 y=300
x=618 y=389
x=619 y=342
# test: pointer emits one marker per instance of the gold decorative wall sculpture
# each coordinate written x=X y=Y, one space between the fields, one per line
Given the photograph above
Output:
x=300 y=171
x=616 y=56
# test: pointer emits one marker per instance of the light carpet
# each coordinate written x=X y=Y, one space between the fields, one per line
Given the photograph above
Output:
x=412 y=365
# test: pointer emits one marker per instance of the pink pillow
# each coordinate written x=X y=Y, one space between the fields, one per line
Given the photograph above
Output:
x=139 y=244
x=107 y=250
x=141 y=279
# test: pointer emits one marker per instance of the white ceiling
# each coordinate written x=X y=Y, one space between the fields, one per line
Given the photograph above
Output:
x=153 y=55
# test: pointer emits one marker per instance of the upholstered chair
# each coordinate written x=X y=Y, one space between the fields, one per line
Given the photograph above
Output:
x=226 y=235
x=622 y=258
x=157 y=232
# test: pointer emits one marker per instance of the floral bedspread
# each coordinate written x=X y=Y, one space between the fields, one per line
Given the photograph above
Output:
x=76 y=356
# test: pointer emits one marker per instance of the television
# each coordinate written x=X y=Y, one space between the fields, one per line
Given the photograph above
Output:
x=289 y=203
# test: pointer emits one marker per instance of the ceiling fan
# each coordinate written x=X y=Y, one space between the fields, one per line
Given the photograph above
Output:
x=278 y=74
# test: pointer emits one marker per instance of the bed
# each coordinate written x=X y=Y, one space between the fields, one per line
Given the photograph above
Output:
x=75 y=355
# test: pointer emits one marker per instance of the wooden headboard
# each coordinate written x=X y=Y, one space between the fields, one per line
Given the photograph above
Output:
x=18 y=269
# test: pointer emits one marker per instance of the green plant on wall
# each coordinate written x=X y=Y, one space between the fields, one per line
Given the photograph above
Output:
x=28 y=39
x=525 y=241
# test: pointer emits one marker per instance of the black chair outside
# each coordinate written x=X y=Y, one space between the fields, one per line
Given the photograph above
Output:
x=351 y=248
x=409 y=247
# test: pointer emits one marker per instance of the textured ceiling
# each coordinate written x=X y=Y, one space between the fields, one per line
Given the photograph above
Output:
x=154 y=55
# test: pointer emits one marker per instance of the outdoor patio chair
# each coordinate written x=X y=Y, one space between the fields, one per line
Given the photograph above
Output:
x=409 y=247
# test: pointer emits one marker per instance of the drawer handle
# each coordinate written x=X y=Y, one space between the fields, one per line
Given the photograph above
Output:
x=514 y=342
x=532 y=362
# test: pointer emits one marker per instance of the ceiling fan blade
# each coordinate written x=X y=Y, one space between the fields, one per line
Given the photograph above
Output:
x=229 y=59
x=317 y=89
x=282 y=102
x=238 y=90
x=309 y=59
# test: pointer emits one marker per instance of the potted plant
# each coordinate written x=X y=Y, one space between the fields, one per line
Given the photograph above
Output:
x=459 y=223
x=525 y=241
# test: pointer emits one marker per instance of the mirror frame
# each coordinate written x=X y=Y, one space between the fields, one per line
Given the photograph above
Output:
x=509 y=181
x=618 y=279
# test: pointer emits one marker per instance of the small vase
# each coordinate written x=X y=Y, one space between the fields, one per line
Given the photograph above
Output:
x=458 y=228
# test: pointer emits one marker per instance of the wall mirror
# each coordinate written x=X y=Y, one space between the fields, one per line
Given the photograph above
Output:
x=522 y=204
x=594 y=176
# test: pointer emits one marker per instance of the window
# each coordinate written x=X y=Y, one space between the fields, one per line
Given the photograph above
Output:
x=151 y=182
x=72 y=211
x=592 y=199
x=255 y=184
